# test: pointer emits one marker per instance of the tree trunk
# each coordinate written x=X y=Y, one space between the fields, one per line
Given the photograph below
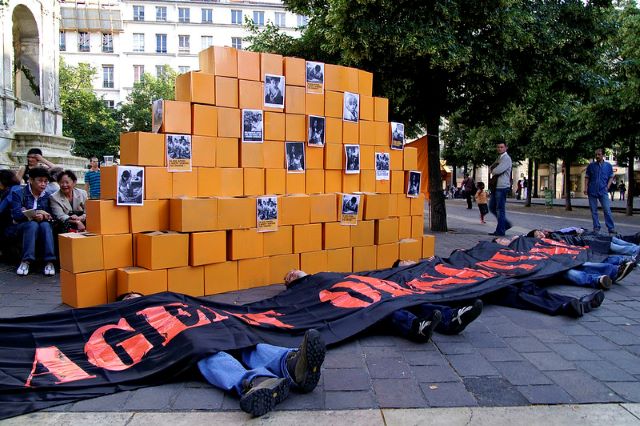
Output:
x=473 y=173
x=465 y=168
x=567 y=184
x=527 y=203
x=631 y=181
x=454 y=178
x=437 y=208
x=535 y=180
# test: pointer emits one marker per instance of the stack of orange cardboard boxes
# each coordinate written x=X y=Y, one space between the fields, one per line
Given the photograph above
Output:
x=196 y=231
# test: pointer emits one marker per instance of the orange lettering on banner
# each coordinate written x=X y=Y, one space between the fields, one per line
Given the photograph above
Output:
x=489 y=264
x=264 y=318
x=438 y=283
x=343 y=299
x=101 y=354
x=503 y=257
x=463 y=273
x=57 y=364
x=383 y=285
x=168 y=325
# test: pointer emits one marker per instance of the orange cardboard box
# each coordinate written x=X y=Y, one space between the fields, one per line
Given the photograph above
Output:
x=196 y=87
x=227 y=152
x=143 y=149
x=307 y=237
x=244 y=244
x=397 y=182
x=313 y=262
x=362 y=234
x=273 y=154
x=253 y=182
x=83 y=289
x=332 y=103
x=404 y=205
x=185 y=184
x=275 y=181
x=387 y=230
x=340 y=260
x=333 y=128
x=367 y=157
x=221 y=277
x=80 y=252
x=417 y=205
x=366 y=108
x=104 y=217
x=295 y=100
x=383 y=135
x=336 y=236
x=205 y=120
x=340 y=199
x=295 y=71
x=417 y=227
x=404 y=227
x=393 y=205
x=386 y=255
x=364 y=258
x=278 y=242
x=227 y=92
x=109 y=182
x=350 y=133
x=280 y=265
x=381 y=109
x=333 y=157
x=396 y=157
x=296 y=128
x=333 y=181
x=229 y=122
x=428 y=246
x=194 y=214
x=176 y=118
x=158 y=183
x=315 y=158
x=219 y=61
x=350 y=183
x=295 y=209
x=365 y=83
x=314 y=181
x=334 y=78
x=410 y=158
x=236 y=213
x=112 y=284
x=203 y=151
x=161 y=250
x=323 y=207
x=367 y=180
x=367 y=135
x=295 y=183
x=314 y=104
x=187 y=280
x=376 y=206
x=383 y=186
x=248 y=65
x=118 y=251
x=253 y=272
x=410 y=249
x=274 y=126
x=251 y=154
x=140 y=280
x=351 y=80
x=250 y=94
x=227 y=182
x=152 y=216
x=270 y=63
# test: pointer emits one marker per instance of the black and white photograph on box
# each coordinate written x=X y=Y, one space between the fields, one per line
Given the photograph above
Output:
x=156 y=115
x=295 y=157
x=252 y=126
x=267 y=210
x=397 y=135
x=383 y=161
x=316 y=131
x=274 y=91
x=315 y=77
x=413 y=186
x=178 y=153
x=352 y=158
x=130 y=186
x=350 y=206
x=351 y=109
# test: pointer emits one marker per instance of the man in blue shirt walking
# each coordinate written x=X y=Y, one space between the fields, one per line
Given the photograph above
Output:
x=598 y=178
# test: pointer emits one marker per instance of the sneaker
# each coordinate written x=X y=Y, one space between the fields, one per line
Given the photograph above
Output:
x=462 y=317
x=304 y=364
x=592 y=301
x=604 y=282
x=23 y=269
x=574 y=309
x=624 y=270
x=263 y=393
x=49 y=270
x=422 y=328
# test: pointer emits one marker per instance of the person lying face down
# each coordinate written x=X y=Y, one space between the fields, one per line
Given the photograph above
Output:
x=604 y=244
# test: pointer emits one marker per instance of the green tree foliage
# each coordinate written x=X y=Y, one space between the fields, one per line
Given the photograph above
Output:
x=85 y=116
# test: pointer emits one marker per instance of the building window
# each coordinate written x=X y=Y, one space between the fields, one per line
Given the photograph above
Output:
x=138 y=13
x=63 y=41
x=281 y=19
x=107 y=43
x=184 y=14
x=161 y=43
x=183 y=44
x=206 y=41
x=184 y=69
x=138 y=42
x=236 y=42
x=161 y=13
x=138 y=73
x=236 y=17
x=107 y=76
x=302 y=21
x=258 y=17
x=109 y=103
x=83 y=42
x=161 y=71
x=207 y=16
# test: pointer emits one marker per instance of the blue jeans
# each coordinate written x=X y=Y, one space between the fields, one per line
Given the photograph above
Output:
x=498 y=207
x=587 y=274
x=401 y=320
x=31 y=233
x=225 y=372
x=626 y=248
x=606 y=209
x=616 y=259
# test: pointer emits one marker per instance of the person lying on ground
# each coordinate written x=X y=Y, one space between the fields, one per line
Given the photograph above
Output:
x=603 y=244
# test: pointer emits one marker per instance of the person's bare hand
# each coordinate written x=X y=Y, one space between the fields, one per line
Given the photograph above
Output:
x=39 y=217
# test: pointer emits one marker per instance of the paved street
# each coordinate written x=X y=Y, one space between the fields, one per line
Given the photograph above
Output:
x=505 y=358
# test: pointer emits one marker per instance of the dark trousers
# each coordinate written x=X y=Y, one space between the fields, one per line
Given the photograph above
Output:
x=467 y=196
x=530 y=297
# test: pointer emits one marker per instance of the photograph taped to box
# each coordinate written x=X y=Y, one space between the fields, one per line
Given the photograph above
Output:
x=350 y=207
x=413 y=186
x=397 y=135
x=267 y=211
x=156 y=115
x=130 y=186
x=315 y=77
x=352 y=163
x=178 y=153
x=316 y=131
x=295 y=157
x=274 y=91
x=383 y=163
x=252 y=126
x=351 y=110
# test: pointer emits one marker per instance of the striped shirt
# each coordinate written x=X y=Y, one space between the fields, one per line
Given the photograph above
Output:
x=92 y=177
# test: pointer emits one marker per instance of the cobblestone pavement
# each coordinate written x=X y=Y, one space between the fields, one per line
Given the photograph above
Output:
x=507 y=357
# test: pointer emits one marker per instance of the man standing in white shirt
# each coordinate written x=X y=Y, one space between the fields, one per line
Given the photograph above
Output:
x=500 y=171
